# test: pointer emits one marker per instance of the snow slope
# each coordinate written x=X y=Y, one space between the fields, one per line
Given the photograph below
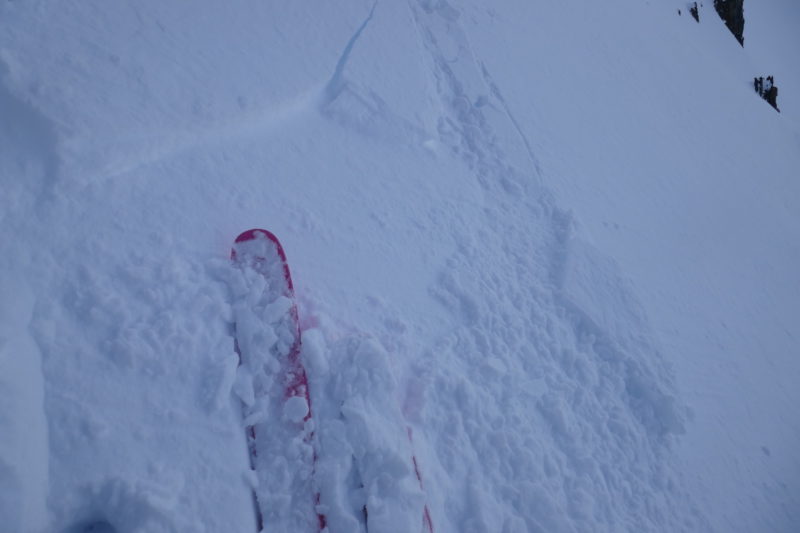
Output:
x=549 y=250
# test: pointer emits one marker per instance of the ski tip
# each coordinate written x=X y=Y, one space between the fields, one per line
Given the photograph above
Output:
x=256 y=233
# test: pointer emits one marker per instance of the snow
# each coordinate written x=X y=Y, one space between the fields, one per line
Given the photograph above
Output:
x=24 y=446
x=545 y=257
x=365 y=456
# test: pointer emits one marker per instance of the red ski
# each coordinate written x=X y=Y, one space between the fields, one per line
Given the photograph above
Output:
x=427 y=522
x=273 y=386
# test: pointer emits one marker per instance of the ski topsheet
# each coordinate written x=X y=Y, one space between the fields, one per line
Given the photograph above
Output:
x=272 y=384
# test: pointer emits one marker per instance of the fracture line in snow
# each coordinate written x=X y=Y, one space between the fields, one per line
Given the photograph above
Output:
x=447 y=67
x=497 y=94
x=131 y=153
x=145 y=151
x=468 y=122
x=333 y=86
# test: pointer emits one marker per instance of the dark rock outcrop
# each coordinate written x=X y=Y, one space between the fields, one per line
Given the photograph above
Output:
x=732 y=12
x=767 y=90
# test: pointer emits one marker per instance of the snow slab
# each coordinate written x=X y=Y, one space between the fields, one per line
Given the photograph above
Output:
x=557 y=243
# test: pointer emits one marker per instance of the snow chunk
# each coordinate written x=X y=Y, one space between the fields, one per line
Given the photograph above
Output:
x=226 y=376
x=277 y=310
x=295 y=409
x=243 y=386
x=314 y=353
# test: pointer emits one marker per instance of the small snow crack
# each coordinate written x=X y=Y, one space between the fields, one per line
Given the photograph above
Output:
x=334 y=85
x=499 y=96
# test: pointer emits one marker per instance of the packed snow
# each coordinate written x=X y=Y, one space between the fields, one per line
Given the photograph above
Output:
x=546 y=258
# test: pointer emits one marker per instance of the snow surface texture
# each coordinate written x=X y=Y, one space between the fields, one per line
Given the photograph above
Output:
x=557 y=241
